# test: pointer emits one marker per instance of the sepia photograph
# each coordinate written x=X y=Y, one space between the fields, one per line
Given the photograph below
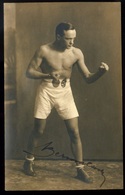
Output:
x=63 y=96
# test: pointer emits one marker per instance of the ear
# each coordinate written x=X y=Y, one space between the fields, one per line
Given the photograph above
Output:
x=58 y=37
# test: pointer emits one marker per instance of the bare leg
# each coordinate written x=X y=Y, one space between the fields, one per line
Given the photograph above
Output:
x=34 y=138
x=76 y=147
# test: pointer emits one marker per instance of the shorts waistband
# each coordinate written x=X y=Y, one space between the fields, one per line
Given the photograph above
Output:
x=50 y=80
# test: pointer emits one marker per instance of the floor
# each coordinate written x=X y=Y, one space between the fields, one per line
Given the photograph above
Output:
x=60 y=175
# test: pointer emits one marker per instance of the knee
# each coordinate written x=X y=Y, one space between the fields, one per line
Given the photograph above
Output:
x=40 y=131
x=39 y=128
x=74 y=135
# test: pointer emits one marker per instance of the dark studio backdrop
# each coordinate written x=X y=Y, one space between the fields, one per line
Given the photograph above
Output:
x=98 y=26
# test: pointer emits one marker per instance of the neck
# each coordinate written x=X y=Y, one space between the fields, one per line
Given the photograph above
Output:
x=57 y=45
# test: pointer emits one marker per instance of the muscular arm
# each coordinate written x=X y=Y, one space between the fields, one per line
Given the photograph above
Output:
x=33 y=71
x=88 y=76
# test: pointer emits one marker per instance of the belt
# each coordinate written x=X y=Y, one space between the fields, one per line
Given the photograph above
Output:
x=57 y=82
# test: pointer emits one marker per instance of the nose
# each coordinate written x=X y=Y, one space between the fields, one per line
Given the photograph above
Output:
x=71 y=41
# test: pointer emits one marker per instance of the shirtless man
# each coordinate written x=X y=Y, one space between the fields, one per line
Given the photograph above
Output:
x=53 y=63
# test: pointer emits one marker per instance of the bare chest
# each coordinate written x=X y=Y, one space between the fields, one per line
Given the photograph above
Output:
x=58 y=60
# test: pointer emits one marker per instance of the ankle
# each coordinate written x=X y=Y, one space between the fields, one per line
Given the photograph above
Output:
x=80 y=166
x=29 y=159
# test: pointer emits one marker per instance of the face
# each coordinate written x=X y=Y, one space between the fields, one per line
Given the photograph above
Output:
x=67 y=40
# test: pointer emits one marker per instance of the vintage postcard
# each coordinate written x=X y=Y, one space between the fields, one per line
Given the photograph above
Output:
x=63 y=96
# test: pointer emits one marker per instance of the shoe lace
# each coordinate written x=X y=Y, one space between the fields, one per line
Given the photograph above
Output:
x=80 y=166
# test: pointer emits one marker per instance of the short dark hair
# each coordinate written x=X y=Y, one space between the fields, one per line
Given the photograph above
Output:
x=63 y=26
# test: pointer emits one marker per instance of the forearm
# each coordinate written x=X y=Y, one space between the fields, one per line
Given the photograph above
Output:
x=35 y=74
x=95 y=76
x=61 y=74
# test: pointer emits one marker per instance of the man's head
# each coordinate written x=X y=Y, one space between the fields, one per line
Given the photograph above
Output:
x=64 y=26
x=65 y=34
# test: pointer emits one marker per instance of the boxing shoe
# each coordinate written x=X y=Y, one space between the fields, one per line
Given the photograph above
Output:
x=83 y=176
x=28 y=168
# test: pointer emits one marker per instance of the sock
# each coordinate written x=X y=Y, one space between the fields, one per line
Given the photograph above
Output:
x=30 y=159
x=80 y=166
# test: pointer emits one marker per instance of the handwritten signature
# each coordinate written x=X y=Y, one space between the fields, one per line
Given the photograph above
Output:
x=52 y=152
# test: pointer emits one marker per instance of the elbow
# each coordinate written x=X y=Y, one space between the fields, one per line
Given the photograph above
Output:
x=28 y=74
x=88 y=79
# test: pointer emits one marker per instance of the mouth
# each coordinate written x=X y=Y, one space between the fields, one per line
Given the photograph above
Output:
x=69 y=46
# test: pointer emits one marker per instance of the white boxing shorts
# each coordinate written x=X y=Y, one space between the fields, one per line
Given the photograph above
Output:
x=61 y=98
